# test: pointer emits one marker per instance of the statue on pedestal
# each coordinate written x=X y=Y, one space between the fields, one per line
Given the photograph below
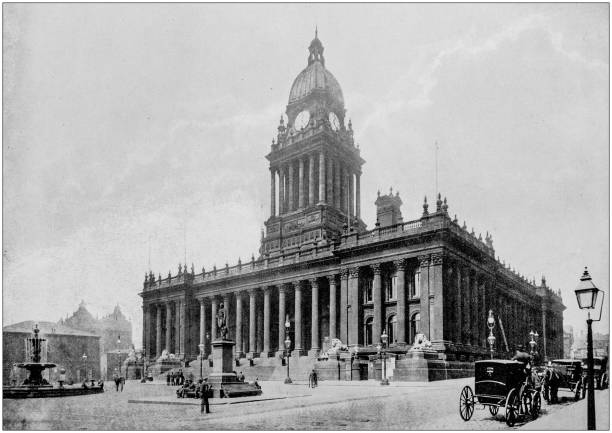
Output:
x=221 y=325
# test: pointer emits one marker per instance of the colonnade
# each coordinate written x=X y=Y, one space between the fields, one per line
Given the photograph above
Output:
x=316 y=178
x=170 y=334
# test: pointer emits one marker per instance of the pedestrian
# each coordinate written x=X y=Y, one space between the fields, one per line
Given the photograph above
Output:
x=241 y=377
x=168 y=378
x=310 y=380
x=117 y=380
x=204 y=390
x=315 y=378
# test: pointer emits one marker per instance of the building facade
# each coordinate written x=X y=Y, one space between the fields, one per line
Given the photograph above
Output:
x=64 y=346
x=323 y=271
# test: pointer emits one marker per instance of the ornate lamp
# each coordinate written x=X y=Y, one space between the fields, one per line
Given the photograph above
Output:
x=383 y=339
x=586 y=295
x=201 y=347
x=287 y=347
x=491 y=337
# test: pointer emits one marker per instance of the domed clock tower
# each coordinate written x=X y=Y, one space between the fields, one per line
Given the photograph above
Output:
x=314 y=165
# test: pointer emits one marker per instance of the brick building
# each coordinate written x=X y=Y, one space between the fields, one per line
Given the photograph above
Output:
x=65 y=347
x=320 y=267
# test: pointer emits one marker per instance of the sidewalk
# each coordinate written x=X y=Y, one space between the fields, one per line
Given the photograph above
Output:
x=574 y=416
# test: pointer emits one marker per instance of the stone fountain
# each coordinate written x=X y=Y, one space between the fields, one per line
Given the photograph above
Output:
x=37 y=386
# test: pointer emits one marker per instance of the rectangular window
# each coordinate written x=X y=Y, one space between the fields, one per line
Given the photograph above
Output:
x=367 y=290
x=390 y=288
x=415 y=285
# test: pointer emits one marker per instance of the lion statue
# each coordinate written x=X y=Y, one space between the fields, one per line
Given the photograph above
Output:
x=336 y=346
x=421 y=342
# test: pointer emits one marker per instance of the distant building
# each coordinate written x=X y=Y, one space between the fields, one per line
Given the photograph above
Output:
x=115 y=331
x=601 y=344
x=65 y=347
x=111 y=328
x=568 y=341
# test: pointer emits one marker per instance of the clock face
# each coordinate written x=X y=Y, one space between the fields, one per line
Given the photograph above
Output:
x=334 y=121
x=301 y=120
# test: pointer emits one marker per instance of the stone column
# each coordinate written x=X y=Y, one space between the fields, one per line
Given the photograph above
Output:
x=436 y=298
x=314 y=322
x=351 y=204
x=168 y=326
x=400 y=266
x=343 y=304
x=239 y=352
x=330 y=182
x=377 y=298
x=252 y=324
x=147 y=326
x=281 y=318
x=144 y=330
x=424 y=304
x=458 y=300
x=158 y=335
x=311 y=200
x=182 y=344
x=272 y=192
x=301 y=184
x=332 y=307
x=321 y=178
x=353 y=312
x=177 y=327
x=281 y=191
x=290 y=206
x=358 y=195
x=202 y=325
x=298 y=318
x=337 y=186
x=466 y=307
x=213 y=319
x=266 y=325
x=344 y=204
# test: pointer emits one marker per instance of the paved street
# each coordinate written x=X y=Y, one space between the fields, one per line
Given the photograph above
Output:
x=331 y=406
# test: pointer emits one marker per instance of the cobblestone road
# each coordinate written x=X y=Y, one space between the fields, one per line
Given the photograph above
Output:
x=331 y=406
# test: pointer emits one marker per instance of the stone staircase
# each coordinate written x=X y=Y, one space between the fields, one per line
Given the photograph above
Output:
x=263 y=368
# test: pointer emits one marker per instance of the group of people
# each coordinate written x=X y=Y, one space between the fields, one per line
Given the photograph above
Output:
x=175 y=378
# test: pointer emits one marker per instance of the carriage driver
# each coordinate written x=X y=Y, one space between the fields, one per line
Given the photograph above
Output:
x=525 y=359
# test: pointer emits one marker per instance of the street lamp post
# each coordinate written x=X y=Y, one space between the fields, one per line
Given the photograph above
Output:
x=586 y=294
x=119 y=354
x=383 y=339
x=533 y=342
x=354 y=355
x=201 y=347
x=491 y=337
x=84 y=357
x=287 y=347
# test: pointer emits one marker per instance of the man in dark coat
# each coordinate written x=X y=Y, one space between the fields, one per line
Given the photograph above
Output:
x=168 y=379
x=204 y=390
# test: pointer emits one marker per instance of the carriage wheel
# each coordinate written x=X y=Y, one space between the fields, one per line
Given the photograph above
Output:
x=466 y=403
x=536 y=405
x=493 y=410
x=512 y=405
x=578 y=392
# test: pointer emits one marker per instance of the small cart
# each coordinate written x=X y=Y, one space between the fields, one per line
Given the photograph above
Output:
x=501 y=383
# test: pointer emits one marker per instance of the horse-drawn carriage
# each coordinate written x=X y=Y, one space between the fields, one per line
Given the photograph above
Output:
x=563 y=373
x=600 y=372
x=501 y=383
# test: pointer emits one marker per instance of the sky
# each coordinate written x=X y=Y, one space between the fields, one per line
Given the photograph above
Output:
x=134 y=135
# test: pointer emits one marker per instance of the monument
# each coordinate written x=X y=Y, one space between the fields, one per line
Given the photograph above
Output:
x=223 y=379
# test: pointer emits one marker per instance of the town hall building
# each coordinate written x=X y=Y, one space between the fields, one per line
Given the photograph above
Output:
x=332 y=278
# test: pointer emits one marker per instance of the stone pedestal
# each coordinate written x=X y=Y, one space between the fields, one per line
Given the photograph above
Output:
x=222 y=379
x=424 y=365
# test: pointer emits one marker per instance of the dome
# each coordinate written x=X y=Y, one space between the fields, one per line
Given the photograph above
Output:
x=315 y=76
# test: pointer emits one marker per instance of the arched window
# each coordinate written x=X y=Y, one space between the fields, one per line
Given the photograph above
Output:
x=415 y=326
x=368 y=331
x=392 y=329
